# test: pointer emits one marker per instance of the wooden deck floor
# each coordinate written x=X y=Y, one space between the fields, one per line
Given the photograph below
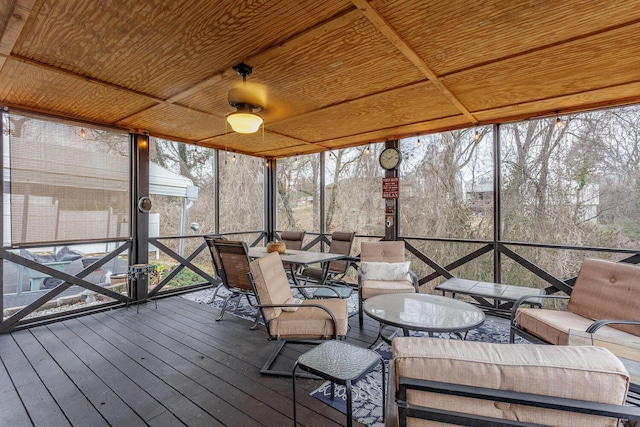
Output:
x=170 y=366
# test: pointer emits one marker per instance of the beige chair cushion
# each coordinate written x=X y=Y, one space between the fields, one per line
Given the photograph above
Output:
x=378 y=252
x=311 y=322
x=607 y=290
x=292 y=301
x=391 y=251
x=553 y=325
x=586 y=373
x=273 y=288
x=271 y=283
x=371 y=288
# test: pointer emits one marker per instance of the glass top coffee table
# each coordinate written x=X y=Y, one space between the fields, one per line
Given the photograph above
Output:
x=423 y=312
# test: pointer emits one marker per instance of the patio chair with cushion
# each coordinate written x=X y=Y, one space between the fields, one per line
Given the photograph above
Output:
x=341 y=243
x=383 y=270
x=231 y=262
x=602 y=310
x=288 y=319
x=605 y=298
x=292 y=240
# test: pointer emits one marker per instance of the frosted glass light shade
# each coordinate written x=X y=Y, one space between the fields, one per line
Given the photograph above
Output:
x=244 y=122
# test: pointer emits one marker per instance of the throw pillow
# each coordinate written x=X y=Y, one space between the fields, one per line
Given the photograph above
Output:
x=385 y=270
x=292 y=300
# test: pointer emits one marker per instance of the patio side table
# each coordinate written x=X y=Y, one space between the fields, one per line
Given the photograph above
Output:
x=340 y=363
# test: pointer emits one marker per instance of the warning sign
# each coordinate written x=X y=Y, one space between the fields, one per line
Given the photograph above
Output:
x=390 y=187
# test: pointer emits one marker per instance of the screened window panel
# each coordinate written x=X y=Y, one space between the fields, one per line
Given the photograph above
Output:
x=353 y=194
x=299 y=193
x=67 y=181
x=446 y=185
x=241 y=193
x=178 y=171
x=578 y=184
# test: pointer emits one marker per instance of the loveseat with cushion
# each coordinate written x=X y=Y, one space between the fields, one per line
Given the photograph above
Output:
x=441 y=379
x=605 y=300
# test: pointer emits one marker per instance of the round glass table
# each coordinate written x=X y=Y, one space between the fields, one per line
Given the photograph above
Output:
x=423 y=312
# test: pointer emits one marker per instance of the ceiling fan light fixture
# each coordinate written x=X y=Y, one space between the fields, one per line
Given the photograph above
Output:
x=244 y=120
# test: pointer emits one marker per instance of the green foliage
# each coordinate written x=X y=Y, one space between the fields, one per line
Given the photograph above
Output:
x=185 y=277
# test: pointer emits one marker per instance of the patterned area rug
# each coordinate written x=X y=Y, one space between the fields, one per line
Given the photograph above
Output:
x=241 y=308
x=367 y=393
x=237 y=306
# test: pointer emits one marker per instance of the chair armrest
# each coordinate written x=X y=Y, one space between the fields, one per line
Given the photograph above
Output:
x=529 y=399
x=391 y=409
x=600 y=323
x=525 y=298
x=352 y=262
x=414 y=279
x=333 y=318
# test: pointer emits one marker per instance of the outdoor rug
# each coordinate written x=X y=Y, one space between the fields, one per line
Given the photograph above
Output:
x=237 y=306
x=367 y=393
x=241 y=308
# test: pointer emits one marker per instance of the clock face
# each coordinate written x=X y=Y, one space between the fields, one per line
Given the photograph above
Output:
x=390 y=158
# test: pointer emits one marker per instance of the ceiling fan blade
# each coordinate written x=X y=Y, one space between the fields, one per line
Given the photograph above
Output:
x=254 y=94
x=275 y=110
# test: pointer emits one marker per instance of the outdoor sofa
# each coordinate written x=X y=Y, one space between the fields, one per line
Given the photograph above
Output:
x=605 y=300
x=443 y=379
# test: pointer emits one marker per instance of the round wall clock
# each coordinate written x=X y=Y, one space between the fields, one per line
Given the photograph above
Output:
x=390 y=158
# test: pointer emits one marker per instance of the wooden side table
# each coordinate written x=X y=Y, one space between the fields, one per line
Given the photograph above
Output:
x=340 y=363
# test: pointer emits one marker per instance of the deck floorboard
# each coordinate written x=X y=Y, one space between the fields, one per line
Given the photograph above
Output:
x=170 y=366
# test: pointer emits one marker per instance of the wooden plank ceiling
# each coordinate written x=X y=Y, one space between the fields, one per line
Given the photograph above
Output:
x=337 y=73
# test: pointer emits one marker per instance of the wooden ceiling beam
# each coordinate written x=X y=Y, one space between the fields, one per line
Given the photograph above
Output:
x=123 y=120
x=15 y=25
x=392 y=35
x=83 y=77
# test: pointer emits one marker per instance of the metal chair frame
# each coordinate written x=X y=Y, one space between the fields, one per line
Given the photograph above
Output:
x=231 y=262
x=266 y=369
x=341 y=243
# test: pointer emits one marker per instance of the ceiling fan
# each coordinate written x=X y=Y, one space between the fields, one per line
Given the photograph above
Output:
x=248 y=99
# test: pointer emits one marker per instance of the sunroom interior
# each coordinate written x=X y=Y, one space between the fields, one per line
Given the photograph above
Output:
x=517 y=122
